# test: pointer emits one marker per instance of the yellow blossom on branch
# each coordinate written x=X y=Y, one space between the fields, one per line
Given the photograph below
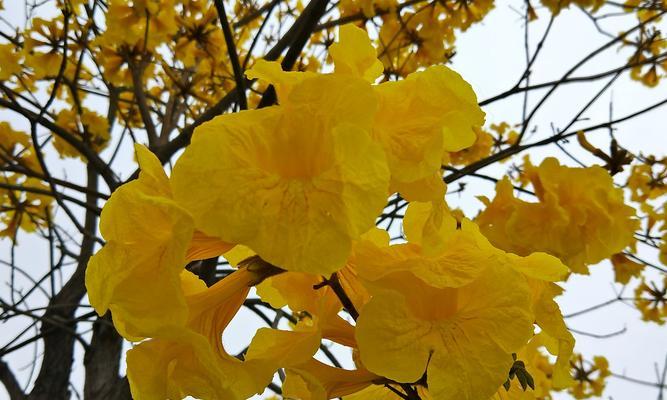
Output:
x=589 y=221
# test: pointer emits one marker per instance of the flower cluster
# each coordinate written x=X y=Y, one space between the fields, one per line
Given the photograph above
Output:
x=651 y=301
x=590 y=377
x=289 y=194
x=25 y=202
x=588 y=218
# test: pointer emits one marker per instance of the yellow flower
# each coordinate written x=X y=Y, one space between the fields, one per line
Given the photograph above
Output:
x=136 y=274
x=10 y=139
x=176 y=368
x=462 y=338
x=23 y=210
x=129 y=23
x=651 y=301
x=95 y=131
x=42 y=50
x=580 y=217
x=646 y=183
x=419 y=119
x=296 y=183
x=147 y=237
x=452 y=260
x=417 y=39
x=202 y=36
x=10 y=64
x=590 y=379
x=191 y=360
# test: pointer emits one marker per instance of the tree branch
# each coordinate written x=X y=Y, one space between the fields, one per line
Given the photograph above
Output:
x=233 y=55
x=53 y=380
x=11 y=384
x=102 y=361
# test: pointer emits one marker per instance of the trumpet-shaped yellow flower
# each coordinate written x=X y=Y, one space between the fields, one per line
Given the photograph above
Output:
x=423 y=221
x=462 y=338
x=588 y=220
x=454 y=249
x=191 y=360
x=647 y=181
x=137 y=273
x=147 y=237
x=147 y=23
x=25 y=210
x=451 y=260
x=176 y=368
x=40 y=47
x=296 y=183
x=419 y=118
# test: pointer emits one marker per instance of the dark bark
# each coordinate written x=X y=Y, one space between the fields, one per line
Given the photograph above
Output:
x=102 y=362
x=53 y=380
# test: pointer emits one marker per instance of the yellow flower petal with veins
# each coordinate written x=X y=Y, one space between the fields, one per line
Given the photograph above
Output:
x=461 y=338
x=203 y=247
x=295 y=183
x=147 y=236
x=137 y=273
x=355 y=55
x=421 y=117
